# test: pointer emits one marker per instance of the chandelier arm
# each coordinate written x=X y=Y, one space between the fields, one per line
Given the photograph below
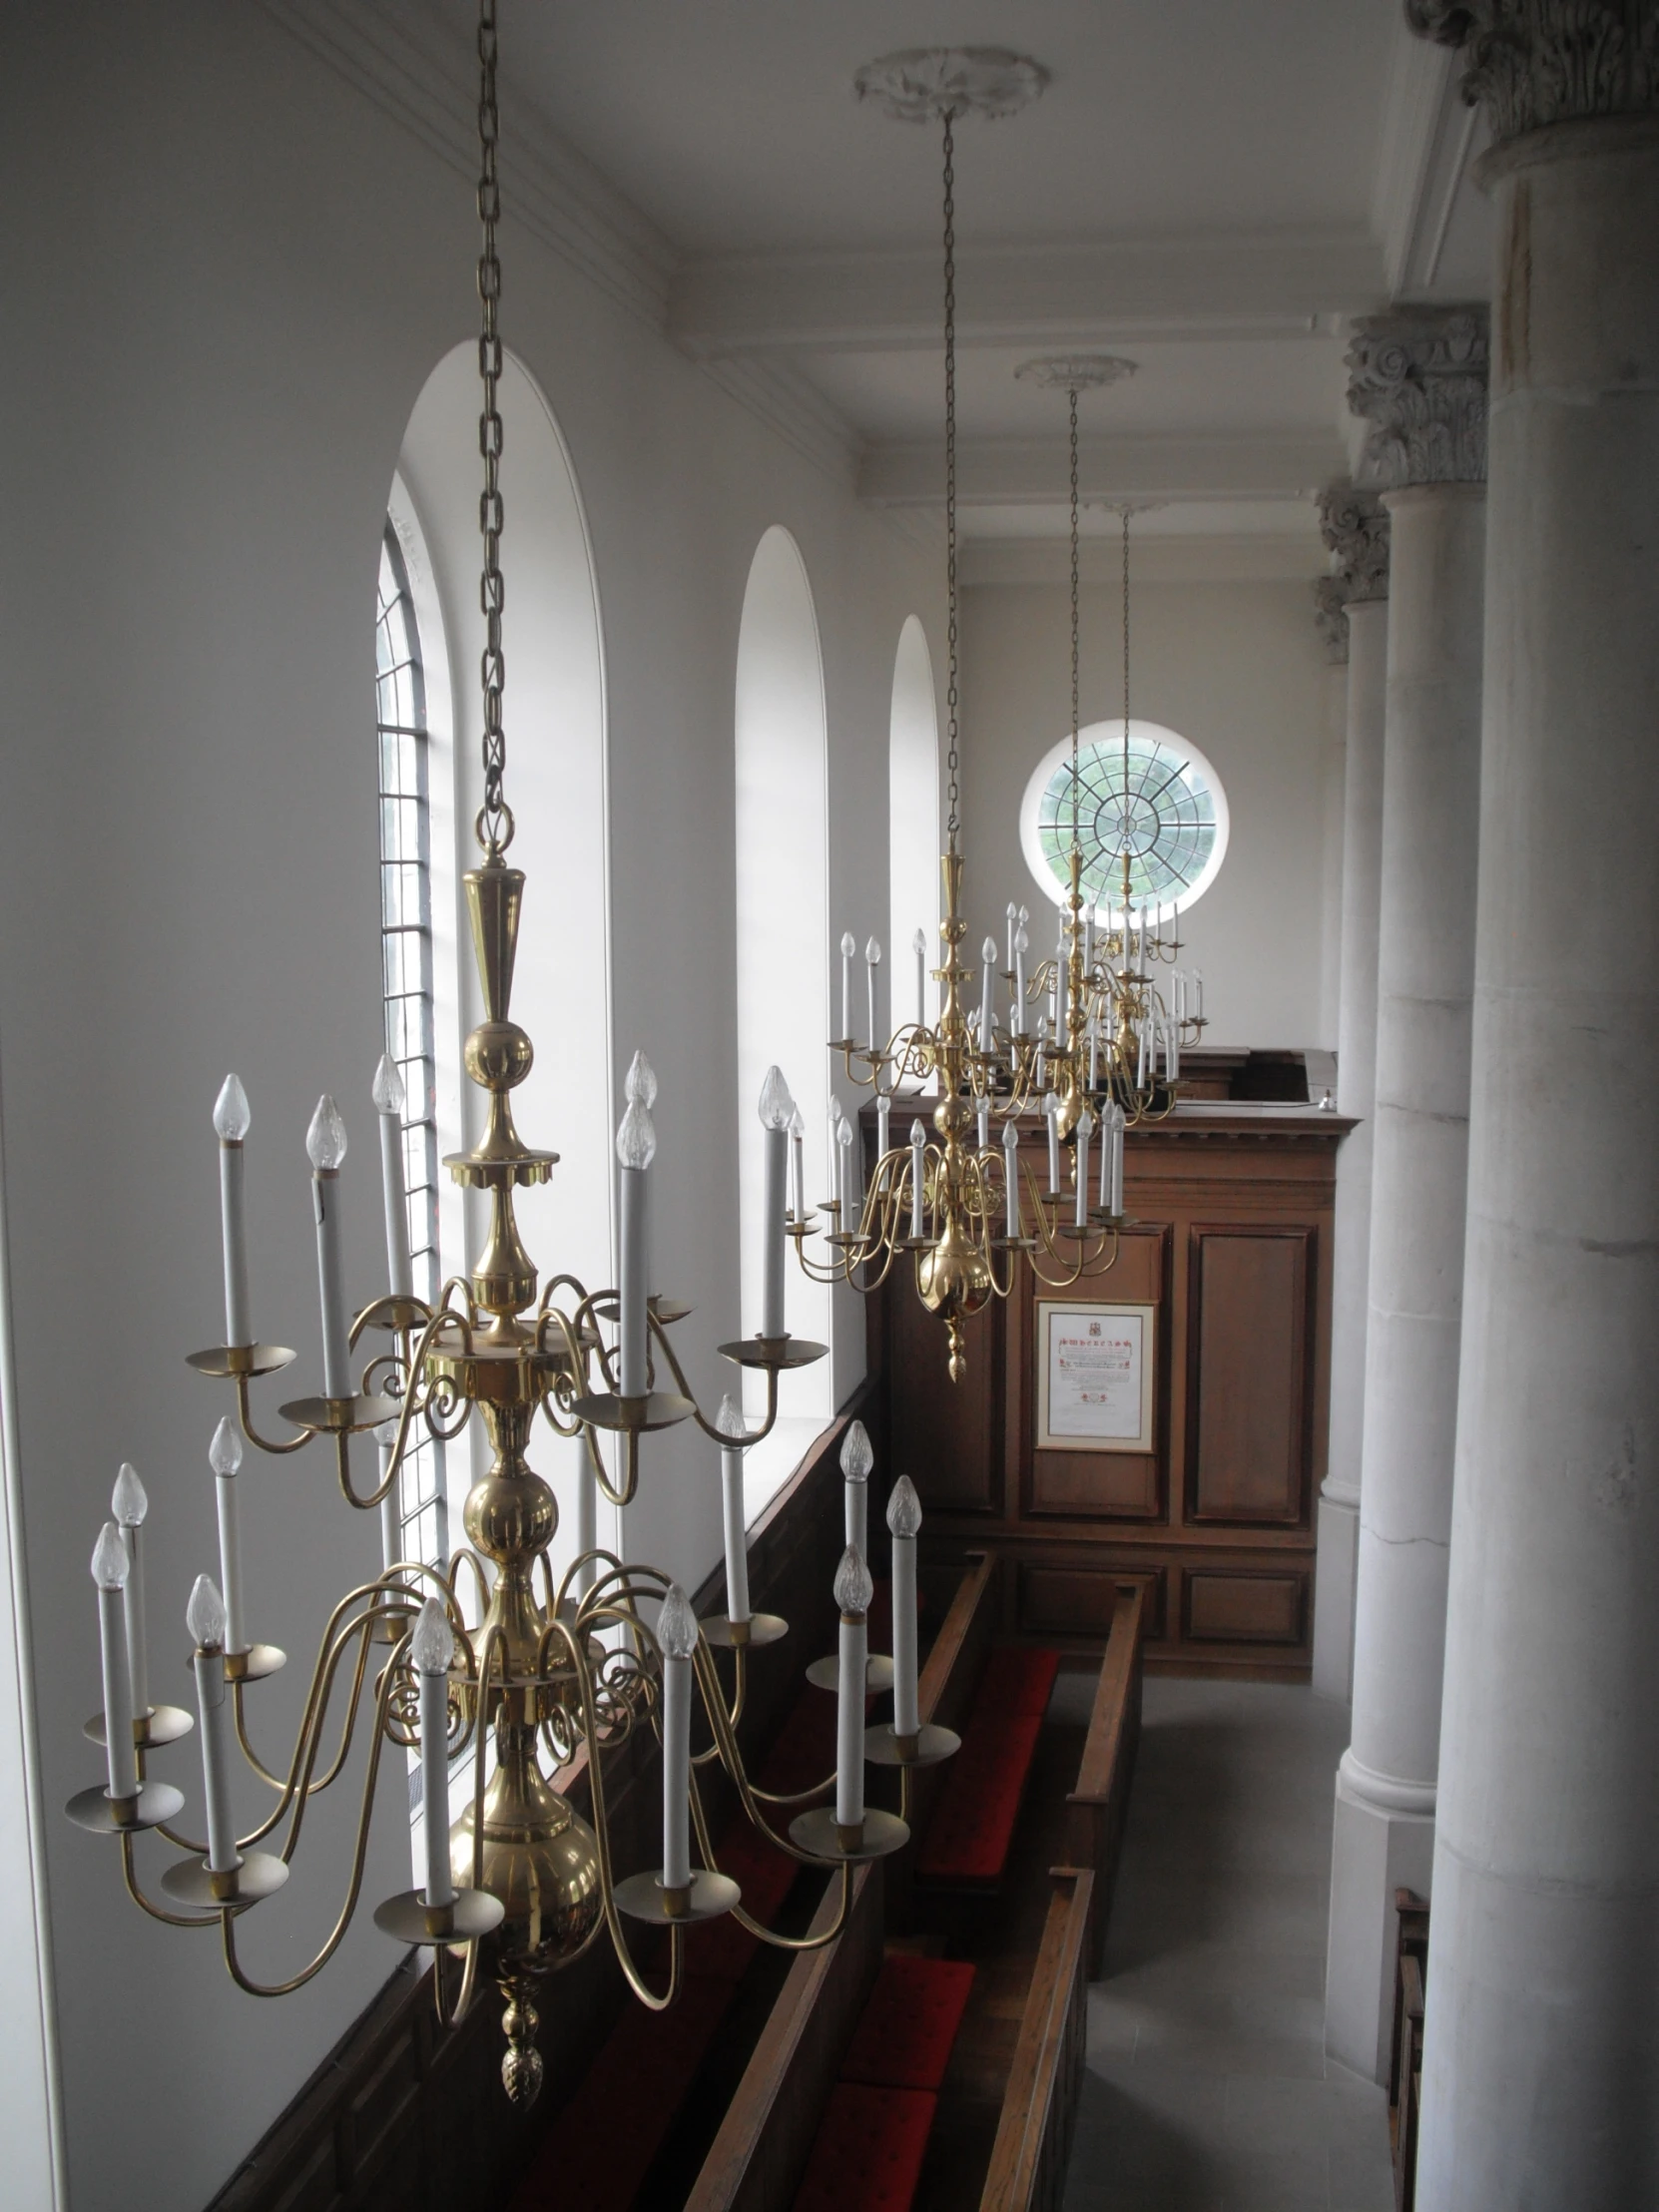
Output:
x=157 y=1911
x=299 y=1788
x=602 y=1837
x=747 y=1921
x=454 y=2015
x=321 y=1782
x=472 y=1561
x=359 y=1855
x=659 y=1332
x=731 y=1760
x=266 y=1443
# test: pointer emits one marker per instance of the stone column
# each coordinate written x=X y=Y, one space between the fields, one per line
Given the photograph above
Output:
x=1420 y=379
x=1543 y=2027
x=1354 y=527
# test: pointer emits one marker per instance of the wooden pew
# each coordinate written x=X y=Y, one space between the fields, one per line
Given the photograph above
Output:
x=759 y=2154
x=1099 y=1806
x=1406 y=2043
x=1039 y=2107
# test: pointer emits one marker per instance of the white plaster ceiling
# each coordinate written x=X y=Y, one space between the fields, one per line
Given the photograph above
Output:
x=1214 y=188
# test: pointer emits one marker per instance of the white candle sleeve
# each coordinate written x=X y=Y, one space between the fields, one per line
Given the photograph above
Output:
x=918 y=1178
x=391 y=1524
x=850 y=1722
x=1108 y=1132
x=137 y=1665
x=849 y=947
x=987 y=996
x=434 y=1786
x=1010 y=1178
x=213 y=1706
x=1119 y=1123
x=631 y=1281
x=330 y=1279
x=982 y=1112
x=1019 y=985
x=872 y=956
x=1051 y=1115
x=1085 y=1127
x=903 y=1520
x=238 y=1328
x=798 y=1167
x=121 y=1753
x=736 y=1535
x=399 y=1266
x=677 y=1639
x=857 y=1459
x=776 y=1142
x=883 y=1124
x=921 y=980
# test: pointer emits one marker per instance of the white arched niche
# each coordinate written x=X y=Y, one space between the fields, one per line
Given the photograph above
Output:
x=783 y=954
x=554 y=719
x=912 y=818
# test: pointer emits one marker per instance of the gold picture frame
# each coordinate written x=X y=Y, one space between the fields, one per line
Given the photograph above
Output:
x=1096 y=1375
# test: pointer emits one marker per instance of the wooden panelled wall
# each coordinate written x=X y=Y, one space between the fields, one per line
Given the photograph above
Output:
x=1230 y=1243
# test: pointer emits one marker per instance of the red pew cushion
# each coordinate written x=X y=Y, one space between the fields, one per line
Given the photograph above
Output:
x=765 y=1874
x=587 y=2159
x=869 y=2152
x=967 y=1838
x=906 y=2034
x=1017 y=1680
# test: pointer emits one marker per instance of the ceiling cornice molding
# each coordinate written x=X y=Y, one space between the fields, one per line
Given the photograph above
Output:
x=1085 y=293
x=1033 y=471
x=428 y=85
x=1218 y=558
x=796 y=409
x=1425 y=146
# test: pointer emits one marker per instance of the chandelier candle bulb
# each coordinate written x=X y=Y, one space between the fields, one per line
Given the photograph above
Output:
x=224 y=1458
x=391 y=1526
x=903 y=1524
x=636 y=1148
x=853 y=1591
x=919 y=946
x=389 y=1098
x=872 y=961
x=127 y=1507
x=918 y=1177
x=1051 y=1115
x=433 y=1649
x=1085 y=1129
x=857 y=1460
x=798 y=1164
x=232 y=1121
x=640 y=1082
x=1021 y=946
x=1010 y=1178
x=325 y=1148
x=850 y=946
x=734 y=1436
x=677 y=1638
x=204 y=1618
x=110 y=1569
x=776 y=1109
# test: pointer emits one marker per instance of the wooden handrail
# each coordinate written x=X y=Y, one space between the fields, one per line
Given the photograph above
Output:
x=1039 y=2107
x=1099 y=1806
x=950 y=1679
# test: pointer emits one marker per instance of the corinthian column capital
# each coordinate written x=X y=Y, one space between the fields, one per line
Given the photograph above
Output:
x=1418 y=376
x=1530 y=63
x=1355 y=526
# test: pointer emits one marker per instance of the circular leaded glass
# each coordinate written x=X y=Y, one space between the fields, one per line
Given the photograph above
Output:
x=1169 y=812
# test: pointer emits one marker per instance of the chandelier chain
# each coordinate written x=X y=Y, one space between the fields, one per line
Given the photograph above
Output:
x=495 y=822
x=951 y=758
x=1126 y=512
x=1075 y=794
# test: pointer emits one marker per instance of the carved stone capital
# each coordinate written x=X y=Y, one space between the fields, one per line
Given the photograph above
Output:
x=1530 y=63
x=1418 y=376
x=1355 y=526
x=1331 y=618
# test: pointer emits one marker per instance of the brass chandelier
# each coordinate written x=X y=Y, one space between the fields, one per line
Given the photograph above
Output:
x=968 y=1212
x=536 y=1673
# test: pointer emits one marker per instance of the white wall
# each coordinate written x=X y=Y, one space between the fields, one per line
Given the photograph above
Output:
x=1235 y=665
x=239 y=277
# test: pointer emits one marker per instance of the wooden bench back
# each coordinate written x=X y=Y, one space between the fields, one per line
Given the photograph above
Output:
x=756 y=2160
x=1027 y=2171
x=1099 y=1806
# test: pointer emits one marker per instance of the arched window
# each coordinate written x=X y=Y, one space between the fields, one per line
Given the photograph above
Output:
x=407 y=981
x=913 y=809
x=782 y=958
x=1169 y=808
x=556 y=780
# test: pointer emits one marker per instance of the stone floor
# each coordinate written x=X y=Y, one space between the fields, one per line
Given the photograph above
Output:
x=1207 y=2087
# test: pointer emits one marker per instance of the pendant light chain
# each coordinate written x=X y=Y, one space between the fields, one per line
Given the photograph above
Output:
x=1074 y=624
x=495 y=820
x=953 y=820
x=1126 y=512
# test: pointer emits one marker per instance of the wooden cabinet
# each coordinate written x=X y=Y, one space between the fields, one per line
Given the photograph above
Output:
x=1230 y=1247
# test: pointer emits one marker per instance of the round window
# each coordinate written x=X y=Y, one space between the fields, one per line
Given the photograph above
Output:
x=1159 y=797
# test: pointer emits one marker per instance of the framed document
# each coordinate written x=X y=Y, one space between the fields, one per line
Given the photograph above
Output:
x=1095 y=1375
